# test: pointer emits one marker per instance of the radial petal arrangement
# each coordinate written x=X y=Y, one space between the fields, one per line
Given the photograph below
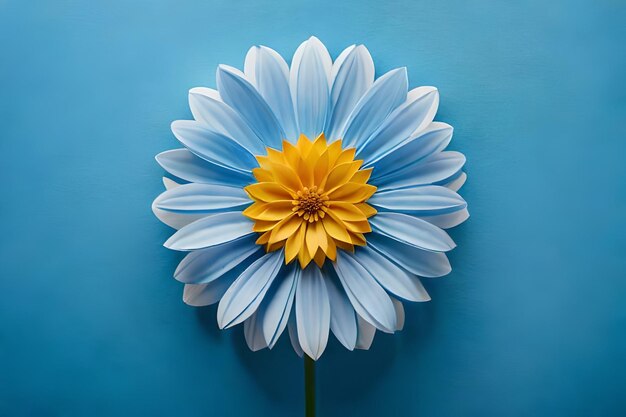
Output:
x=311 y=197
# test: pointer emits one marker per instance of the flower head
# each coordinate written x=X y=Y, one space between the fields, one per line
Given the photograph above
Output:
x=311 y=197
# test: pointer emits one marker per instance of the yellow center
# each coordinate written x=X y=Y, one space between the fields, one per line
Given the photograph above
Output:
x=310 y=198
x=310 y=204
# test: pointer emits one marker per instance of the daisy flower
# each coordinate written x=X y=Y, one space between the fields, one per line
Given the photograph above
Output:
x=311 y=197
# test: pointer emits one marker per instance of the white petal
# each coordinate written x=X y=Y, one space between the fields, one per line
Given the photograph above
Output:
x=397 y=304
x=419 y=262
x=244 y=296
x=211 y=230
x=339 y=62
x=206 y=265
x=278 y=307
x=175 y=220
x=366 y=334
x=342 y=315
x=309 y=84
x=368 y=298
x=352 y=75
x=269 y=73
x=238 y=93
x=431 y=170
x=312 y=312
x=387 y=93
x=316 y=43
x=414 y=114
x=199 y=295
x=393 y=278
x=170 y=184
x=422 y=200
x=208 y=92
x=293 y=335
x=204 y=198
x=457 y=183
x=213 y=147
x=185 y=165
x=253 y=333
x=448 y=220
x=412 y=231
x=220 y=118
x=433 y=139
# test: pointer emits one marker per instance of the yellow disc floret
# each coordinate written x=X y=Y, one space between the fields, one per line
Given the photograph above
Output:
x=310 y=199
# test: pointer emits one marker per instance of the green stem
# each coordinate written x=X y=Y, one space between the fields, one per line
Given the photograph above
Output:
x=309 y=386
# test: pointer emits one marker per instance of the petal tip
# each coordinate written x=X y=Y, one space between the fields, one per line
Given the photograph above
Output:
x=195 y=91
x=228 y=70
x=170 y=244
x=176 y=125
x=314 y=355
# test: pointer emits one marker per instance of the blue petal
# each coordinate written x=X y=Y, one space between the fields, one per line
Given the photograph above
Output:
x=342 y=316
x=447 y=220
x=253 y=332
x=238 y=93
x=334 y=69
x=175 y=220
x=211 y=292
x=211 y=230
x=433 y=139
x=456 y=182
x=368 y=298
x=309 y=81
x=352 y=75
x=277 y=309
x=269 y=73
x=293 y=335
x=200 y=295
x=206 y=265
x=416 y=261
x=209 y=109
x=336 y=65
x=244 y=296
x=436 y=168
x=170 y=184
x=179 y=219
x=213 y=147
x=413 y=115
x=366 y=333
x=412 y=231
x=393 y=278
x=185 y=165
x=312 y=312
x=205 y=198
x=397 y=304
x=422 y=200
x=387 y=93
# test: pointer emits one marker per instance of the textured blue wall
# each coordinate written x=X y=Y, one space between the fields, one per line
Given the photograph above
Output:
x=530 y=323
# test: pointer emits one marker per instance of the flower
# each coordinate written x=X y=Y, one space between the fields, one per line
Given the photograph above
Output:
x=311 y=198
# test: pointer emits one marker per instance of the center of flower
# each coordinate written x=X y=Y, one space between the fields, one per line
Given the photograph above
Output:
x=310 y=205
x=310 y=198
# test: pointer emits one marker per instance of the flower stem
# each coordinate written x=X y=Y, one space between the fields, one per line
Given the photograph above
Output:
x=309 y=386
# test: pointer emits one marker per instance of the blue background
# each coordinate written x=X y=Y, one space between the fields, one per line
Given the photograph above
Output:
x=530 y=323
